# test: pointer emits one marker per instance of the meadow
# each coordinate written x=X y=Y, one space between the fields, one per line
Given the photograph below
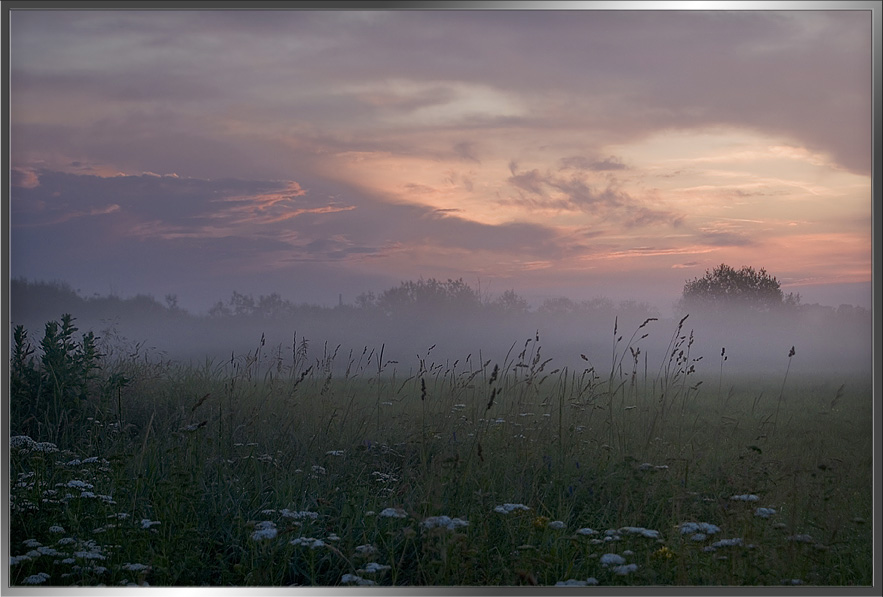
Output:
x=308 y=465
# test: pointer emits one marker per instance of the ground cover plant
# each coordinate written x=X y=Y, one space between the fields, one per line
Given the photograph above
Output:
x=308 y=465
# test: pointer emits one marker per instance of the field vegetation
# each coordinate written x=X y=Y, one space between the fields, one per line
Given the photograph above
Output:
x=309 y=464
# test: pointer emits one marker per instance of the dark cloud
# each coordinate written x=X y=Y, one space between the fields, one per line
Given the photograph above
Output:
x=575 y=193
x=726 y=239
x=591 y=164
x=801 y=74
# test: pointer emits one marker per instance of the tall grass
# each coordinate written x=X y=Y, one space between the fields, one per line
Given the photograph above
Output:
x=269 y=469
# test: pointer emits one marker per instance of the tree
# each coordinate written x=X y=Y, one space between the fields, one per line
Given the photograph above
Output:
x=728 y=287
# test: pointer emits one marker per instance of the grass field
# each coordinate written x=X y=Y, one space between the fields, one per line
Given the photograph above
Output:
x=305 y=466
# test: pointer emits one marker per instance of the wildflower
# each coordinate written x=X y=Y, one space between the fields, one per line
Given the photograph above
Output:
x=649 y=533
x=586 y=531
x=612 y=559
x=335 y=453
x=764 y=512
x=800 y=538
x=443 y=521
x=366 y=550
x=264 y=530
x=625 y=569
x=308 y=542
x=90 y=555
x=36 y=579
x=31 y=543
x=745 y=497
x=135 y=567
x=21 y=441
x=77 y=484
x=66 y=541
x=349 y=579
x=507 y=508
x=48 y=551
x=373 y=567
x=13 y=560
x=628 y=552
x=319 y=470
x=556 y=525
x=727 y=542
x=393 y=513
x=699 y=528
x=664 y=552
x=299 y=514
x=146 y=523
x=56 y=529
x=541 y=522
x=571 y=582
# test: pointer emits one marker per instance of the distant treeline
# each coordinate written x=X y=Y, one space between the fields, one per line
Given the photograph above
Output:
x=424 y=297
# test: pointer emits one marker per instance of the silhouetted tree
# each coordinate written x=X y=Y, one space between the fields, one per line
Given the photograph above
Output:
x=728 y=287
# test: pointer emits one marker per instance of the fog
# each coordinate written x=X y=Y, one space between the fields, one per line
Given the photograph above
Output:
x=832 y=342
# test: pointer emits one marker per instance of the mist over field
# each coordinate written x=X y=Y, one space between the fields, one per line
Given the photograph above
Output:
x=828 y=341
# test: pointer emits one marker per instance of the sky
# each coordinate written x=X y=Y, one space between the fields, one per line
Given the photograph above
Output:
x=322 y=154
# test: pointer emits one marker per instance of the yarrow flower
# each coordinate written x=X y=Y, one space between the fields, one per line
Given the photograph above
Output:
x=264 y=530
x=135 y=567
x=612 y=559
x=745 y=497
x=586 y=531
x=764 y=512
x=373 y=567
x=649 y=533
x=308 y=542
x=508 y=508
x=393 y=513
x=625 y=569
x=572 y=582
x=36 y=579
x=444 y=521
x=700 y=530
x=557 y=525
x=146 y=523
x=352 y=579
x=300 y=514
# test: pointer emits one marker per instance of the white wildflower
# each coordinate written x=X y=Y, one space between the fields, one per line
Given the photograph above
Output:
x=300 y=514
x=444 y=521
x=727 y=542
x=372 y=567
x=56 y=529
x=649 y=533
x=36 y=579
x=800 y=538
x=586 y=531
x=612 y=559
x=392 y=513
x=625 y=569
x=699 y=528
x=764 y=512
x=745 y=497
x=135 y=567
x=366 y=550
x=571 y=582
x=264 y=530
x=31 y=543
x=557 y=525
x=308 y=542
x=507 y=508
x=146 y=523
x=352 y=579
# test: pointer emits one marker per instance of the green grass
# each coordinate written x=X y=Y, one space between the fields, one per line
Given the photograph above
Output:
x=186 y=465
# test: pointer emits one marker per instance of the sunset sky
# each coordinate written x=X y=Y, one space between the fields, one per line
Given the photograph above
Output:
x=578 y=153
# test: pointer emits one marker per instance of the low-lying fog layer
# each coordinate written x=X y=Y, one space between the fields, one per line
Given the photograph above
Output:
x=825 y=341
